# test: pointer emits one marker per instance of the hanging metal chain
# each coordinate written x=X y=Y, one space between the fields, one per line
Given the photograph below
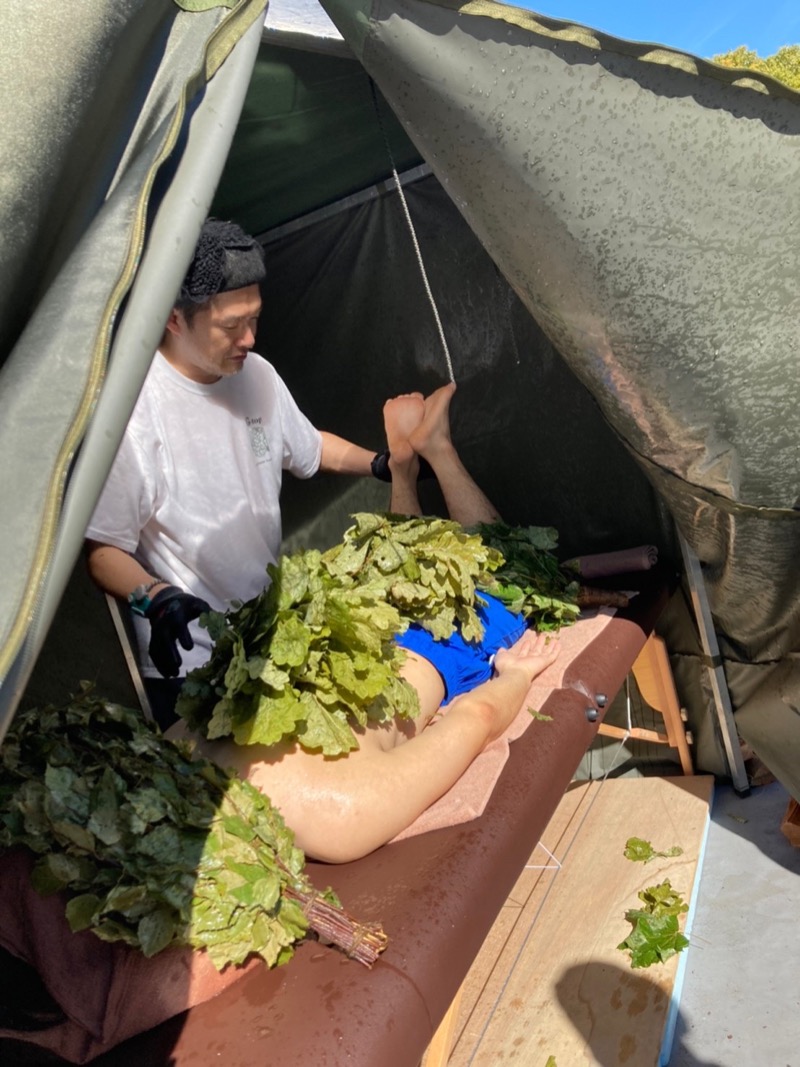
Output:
x=413 y=233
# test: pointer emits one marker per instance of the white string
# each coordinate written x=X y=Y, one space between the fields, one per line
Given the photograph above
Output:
x=413 y=233
x=554 y=866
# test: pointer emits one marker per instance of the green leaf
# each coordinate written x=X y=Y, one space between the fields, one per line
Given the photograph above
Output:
x=237 y=675
x=277 y=715
x=540 y=716
x=72 y=833
x=263 y=890
x=641 y=851
x=347 y=559
x=216 y=624
x=104 y=820
x=663 y=900
x=263 y=668
x=653 y=939
x=290 y=642
x=239 y=827
x=128 y=899
x=655 y=935
x=292 y=579
x=220 y=723
x=408 y=594
x=156 y=931
x=358 y=676
x=149 y=806
x=54 y=872
x=67 y=793
x=326 y=732
x=111 y=930
x=530 y=579
x=172 y=848
x=82 y=911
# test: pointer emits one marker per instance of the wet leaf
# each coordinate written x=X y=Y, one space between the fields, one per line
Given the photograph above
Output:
x=156 y=930
x=655 y=935
x=82 y=911
x=653 y=939
x=641 y=851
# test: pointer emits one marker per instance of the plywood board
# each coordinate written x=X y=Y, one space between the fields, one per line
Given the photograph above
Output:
x=550 y=980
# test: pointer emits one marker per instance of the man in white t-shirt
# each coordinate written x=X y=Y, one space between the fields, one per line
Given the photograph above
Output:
x=190 y=517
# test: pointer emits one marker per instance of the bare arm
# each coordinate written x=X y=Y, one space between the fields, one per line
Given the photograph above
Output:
x=116 y=572
x=343 y=457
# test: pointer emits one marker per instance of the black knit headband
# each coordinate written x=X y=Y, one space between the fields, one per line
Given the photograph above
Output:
x=225 y=258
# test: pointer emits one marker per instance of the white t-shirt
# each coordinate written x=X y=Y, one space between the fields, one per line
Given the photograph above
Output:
x=194 y=490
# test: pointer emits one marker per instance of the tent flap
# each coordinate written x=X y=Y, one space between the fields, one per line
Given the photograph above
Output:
x=116 y=125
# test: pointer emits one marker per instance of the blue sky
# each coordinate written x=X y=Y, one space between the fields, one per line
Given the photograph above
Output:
x=702 y=27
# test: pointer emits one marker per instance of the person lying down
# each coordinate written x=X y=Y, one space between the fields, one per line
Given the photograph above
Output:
x=341 y=809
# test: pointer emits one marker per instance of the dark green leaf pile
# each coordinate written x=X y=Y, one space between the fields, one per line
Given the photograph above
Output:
x=154 y=849
x=655 y=936
x=530 y=581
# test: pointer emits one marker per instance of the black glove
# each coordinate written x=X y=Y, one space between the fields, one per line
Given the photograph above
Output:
x=170 y=612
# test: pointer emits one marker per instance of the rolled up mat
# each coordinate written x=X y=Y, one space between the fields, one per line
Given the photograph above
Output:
x=627 y=560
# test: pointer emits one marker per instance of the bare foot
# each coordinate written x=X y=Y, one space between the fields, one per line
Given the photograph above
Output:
x=434 y=430
x=401 y=417
x=532 y=653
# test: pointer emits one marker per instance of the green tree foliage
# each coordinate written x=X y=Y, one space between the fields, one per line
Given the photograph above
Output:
x=784 y=65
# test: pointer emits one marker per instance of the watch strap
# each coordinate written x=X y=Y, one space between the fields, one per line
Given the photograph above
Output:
x=139 y=599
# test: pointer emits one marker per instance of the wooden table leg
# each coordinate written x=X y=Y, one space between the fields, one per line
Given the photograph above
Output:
x=438 y=1052
x=653 y=675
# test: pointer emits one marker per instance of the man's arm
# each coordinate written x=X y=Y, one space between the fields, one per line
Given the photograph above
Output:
x=343 y=457
x=116 y=572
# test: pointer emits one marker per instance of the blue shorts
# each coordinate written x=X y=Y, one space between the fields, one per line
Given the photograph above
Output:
x=465 y=664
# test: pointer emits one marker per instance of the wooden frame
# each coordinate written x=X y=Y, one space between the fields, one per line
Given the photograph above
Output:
x=653 y=676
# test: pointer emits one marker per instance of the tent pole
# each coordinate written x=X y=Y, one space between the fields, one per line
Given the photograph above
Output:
x=716 y=674
x=363 y=196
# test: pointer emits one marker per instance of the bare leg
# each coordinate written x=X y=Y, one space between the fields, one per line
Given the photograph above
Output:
x=401 y=416
x=341 y=809
x=466 y=503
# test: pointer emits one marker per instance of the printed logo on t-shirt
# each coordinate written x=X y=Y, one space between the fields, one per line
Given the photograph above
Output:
x=258 y=439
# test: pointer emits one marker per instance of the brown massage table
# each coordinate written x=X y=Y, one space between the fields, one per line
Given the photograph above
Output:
x=436 y=894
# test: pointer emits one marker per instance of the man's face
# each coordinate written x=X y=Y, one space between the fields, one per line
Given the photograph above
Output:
x=216 y=342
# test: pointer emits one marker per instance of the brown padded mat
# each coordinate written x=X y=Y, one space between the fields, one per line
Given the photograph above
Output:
x=437 y=896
